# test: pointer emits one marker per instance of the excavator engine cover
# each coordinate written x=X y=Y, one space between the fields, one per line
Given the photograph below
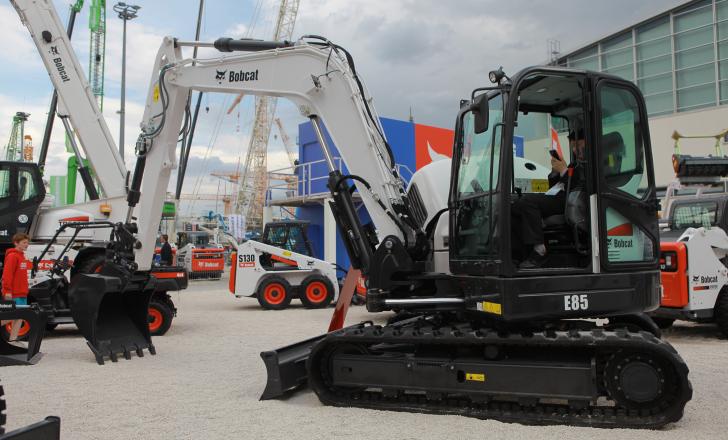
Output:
x=112 y=313
x=11 y=354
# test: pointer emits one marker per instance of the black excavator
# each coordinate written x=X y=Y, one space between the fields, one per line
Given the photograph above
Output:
x=564 y=343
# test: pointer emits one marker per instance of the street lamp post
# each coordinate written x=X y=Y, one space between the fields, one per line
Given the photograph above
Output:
x=126 y=12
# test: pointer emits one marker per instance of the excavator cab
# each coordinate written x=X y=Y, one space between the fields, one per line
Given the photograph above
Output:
x=21 y=192
x=597 y=219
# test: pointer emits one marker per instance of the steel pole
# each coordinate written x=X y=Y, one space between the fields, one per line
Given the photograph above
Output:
x=123 y=93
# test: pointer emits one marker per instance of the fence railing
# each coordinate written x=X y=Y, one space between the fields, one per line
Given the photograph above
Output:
x=308 y=180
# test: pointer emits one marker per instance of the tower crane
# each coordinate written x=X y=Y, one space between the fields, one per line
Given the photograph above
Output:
x=14 y=147
x=97 y=52
x=254 y=180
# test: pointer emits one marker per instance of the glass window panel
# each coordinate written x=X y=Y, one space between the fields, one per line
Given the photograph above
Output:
x=586 y=59
x=721 y=9
x=654 y=48
x=722 y=30
x=695 y=76
x=654 y=29
x=659 y=104
x=618 y=57
x=695 y=15
x=622 y=165
x=693 y=57
x=694 y=38
x=5 y=200
x=723 y=92
x=654 y=66
x=696 y=97
x=26 y=186
x=586 y=63
x=723 y=70
x=723 y=50
x=626 y=72
x=696 y=215
x=656 y=84
x=618 y=42
x=479 y=151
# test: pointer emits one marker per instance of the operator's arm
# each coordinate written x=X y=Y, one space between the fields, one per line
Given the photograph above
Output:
x=558 y=169
x=8 y=271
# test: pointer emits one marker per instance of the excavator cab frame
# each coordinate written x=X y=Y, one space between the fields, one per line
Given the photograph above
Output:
x=18 y=204
x=621 y=208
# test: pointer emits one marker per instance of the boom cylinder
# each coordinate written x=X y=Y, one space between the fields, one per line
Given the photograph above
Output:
x=248 y=45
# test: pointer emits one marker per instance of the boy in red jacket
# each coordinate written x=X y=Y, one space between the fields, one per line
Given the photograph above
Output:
x=15 y=271
x=15 y=277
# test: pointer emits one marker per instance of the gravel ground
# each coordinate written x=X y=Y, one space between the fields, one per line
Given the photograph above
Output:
x=207 y=376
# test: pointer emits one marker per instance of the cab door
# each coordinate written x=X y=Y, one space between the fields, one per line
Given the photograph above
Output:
x=7 y=202
x=625 y=199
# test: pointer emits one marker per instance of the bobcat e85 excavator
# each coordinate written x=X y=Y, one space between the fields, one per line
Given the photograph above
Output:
x=485 y=338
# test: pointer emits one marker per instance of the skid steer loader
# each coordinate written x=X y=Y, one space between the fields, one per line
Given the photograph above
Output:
x=281 y=267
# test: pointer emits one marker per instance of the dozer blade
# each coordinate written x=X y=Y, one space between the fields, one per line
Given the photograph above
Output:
x=14 y=354
x=48 y=429
x=286 y=367
x=112 y=314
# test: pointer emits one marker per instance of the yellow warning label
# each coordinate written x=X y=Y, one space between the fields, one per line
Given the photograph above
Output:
x=287 y=253
x=155 y=93
x=492 y=307
x=478 y=377
x=539 y=185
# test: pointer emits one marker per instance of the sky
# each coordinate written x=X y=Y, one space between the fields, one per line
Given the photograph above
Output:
x=418 y=56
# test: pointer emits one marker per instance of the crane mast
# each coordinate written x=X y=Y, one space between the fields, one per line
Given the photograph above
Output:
x=252 y=187
x=97 y=51
x=14 y=148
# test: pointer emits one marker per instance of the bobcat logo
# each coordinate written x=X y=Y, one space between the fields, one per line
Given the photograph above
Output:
x=696 y=278
x=220 y=75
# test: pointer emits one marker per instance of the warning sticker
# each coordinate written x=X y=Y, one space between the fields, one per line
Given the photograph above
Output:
x=489 y=307
x=477 y=377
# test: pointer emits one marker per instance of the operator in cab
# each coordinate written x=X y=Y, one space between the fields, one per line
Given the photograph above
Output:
x=529 y=210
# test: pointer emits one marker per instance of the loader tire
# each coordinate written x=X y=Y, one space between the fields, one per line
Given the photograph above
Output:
x=721 y=311
x=160 y=317
x=274 y=293
x=89 y=265
x=316 y=292
x=22 y=334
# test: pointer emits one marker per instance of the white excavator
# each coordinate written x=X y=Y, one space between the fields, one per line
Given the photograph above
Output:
x=71 y=240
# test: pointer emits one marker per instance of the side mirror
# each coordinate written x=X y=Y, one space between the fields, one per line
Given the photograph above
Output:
x=479 y=107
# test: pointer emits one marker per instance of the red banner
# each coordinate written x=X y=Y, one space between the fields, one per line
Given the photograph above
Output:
x=431 y=144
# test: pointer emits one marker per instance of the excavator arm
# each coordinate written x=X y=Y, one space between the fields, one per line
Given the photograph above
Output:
x=321 y=79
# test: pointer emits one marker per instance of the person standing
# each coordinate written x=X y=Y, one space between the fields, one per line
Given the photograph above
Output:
x=165 y=254
x=15 y=276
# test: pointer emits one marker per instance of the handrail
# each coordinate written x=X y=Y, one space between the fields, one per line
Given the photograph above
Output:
x=303 y=179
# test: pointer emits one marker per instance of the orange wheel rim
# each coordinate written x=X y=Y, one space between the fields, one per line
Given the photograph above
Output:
x=274 y=293
x=316 y=292
x=155 y=319
x=24 y=328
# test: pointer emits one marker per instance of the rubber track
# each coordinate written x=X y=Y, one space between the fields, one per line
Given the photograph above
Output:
x=605 y=416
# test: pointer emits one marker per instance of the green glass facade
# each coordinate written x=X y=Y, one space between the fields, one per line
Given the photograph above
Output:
x=678 y=59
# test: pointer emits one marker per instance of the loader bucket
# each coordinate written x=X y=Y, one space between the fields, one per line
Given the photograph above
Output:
x=12 y=354
x=112 y=314
x=286 y=367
